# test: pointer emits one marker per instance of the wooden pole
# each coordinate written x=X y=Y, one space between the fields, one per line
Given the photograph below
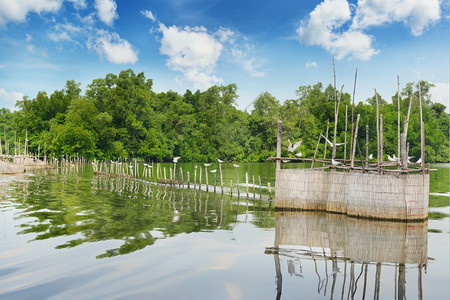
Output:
x=279 y=132
x=345 y=134
x=246 y=182
x=422 y=131
x=200 y=179
x=381 y=139
x=195 y=177
x=353 y=108
x=404 y=136
x=326 y=137
x=206 y=178
x=221 y=178
x=270 y=191
x=367 y=145
x=317 y=148
x=237 y=180
x=378 y=132
x=354 y=142
x=253 y=178
x=399 y=155
x=260 y=187
x=336 y=116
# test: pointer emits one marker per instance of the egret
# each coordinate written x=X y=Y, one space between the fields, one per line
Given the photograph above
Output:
x=213 y=171
x=175 y=159
x=419 y=161
x=391 y=158
x=236 y=166
x=207 y=165
x=220 y=161
x=331 y=144
x=370 y=156
x=299 y=154
x=291 y=148
x=335 y=162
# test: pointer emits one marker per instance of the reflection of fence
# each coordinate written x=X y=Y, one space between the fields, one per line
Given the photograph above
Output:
x=355 y=239
x=349 y=242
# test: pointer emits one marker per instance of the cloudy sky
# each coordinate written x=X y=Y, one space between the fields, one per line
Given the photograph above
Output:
x=273 y=46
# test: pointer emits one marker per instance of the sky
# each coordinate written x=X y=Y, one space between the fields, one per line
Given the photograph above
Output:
x=261 y=46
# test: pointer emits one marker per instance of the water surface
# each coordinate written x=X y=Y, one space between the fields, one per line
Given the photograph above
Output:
x=67 y=234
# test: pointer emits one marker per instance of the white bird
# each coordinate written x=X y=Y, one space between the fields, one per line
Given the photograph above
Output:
x=207 y=165
x=291 y=148
x=394 y=157
x=130 y=167
x=285 y=160
x=236 y=166
x=299 y=154
x=419 y=161
x=331 y=144
x=213 y=171
x=391 y=158
x=220 y=161
x=334 y=162
x=370 y=156
x=175 y=159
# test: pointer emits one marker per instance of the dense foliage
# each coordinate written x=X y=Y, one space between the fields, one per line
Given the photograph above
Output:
x=122 y=117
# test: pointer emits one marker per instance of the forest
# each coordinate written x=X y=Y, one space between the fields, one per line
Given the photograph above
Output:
x=121 y=117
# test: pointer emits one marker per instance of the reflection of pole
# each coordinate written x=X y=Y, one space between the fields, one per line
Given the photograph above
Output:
x=401 y=282
x=365 y=282
x=419 y=284
x=377 y=282
x=279 y=275
x=345 y=277
x=334 y=262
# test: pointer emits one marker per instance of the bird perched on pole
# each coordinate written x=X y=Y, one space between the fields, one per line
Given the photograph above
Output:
x=175 y=159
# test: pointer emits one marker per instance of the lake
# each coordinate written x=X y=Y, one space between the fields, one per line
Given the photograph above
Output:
x=69 y=234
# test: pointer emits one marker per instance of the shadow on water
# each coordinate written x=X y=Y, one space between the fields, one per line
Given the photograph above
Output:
x=73 y=203
x=356 y=249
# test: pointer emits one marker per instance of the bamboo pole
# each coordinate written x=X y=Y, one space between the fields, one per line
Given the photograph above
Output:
x=246 y=182
x=253 y=179
x=367 y=145
x=354 y=142
x=206 y=178
x=345 y=134
x=422 y=131
x=270 y=191
x=195 y=177
x=260 y=188
x=237 y=180
x=353 y=108
x=279 y=132
x=336 y=116
x=398 y=121
x=317 y=148
x=200 y=179
x=221 y=178
x=326 y=137
x=378 y=131
x=381 y=139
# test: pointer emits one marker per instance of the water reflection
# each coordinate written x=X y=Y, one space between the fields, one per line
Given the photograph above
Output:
x=70 y=202
x=357 y=251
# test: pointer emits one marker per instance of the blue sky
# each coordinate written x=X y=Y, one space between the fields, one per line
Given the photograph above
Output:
x=273 y=46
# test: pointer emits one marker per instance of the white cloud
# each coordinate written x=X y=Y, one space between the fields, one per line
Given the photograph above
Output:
x=440 y=94
x=148 y=14
x=17 y=10
x=78 y=4
x=416 y=14
x=113 y=48
x=8 y=99
x=226 y=35
x=252 y=66
x=64 y=32
x=192 y=51
x=324 y=29
x=106 y=10
x=311 y=64
x=332 y=27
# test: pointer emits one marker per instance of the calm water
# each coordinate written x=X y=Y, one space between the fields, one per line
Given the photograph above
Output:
x=67 y=234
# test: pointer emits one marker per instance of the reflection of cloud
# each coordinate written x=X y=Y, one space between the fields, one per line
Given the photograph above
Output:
x=233 y=290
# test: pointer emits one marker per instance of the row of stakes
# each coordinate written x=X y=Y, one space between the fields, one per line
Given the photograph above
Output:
x=131 y=170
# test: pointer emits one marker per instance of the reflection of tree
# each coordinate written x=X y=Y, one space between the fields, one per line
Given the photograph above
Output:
x=108 y=208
